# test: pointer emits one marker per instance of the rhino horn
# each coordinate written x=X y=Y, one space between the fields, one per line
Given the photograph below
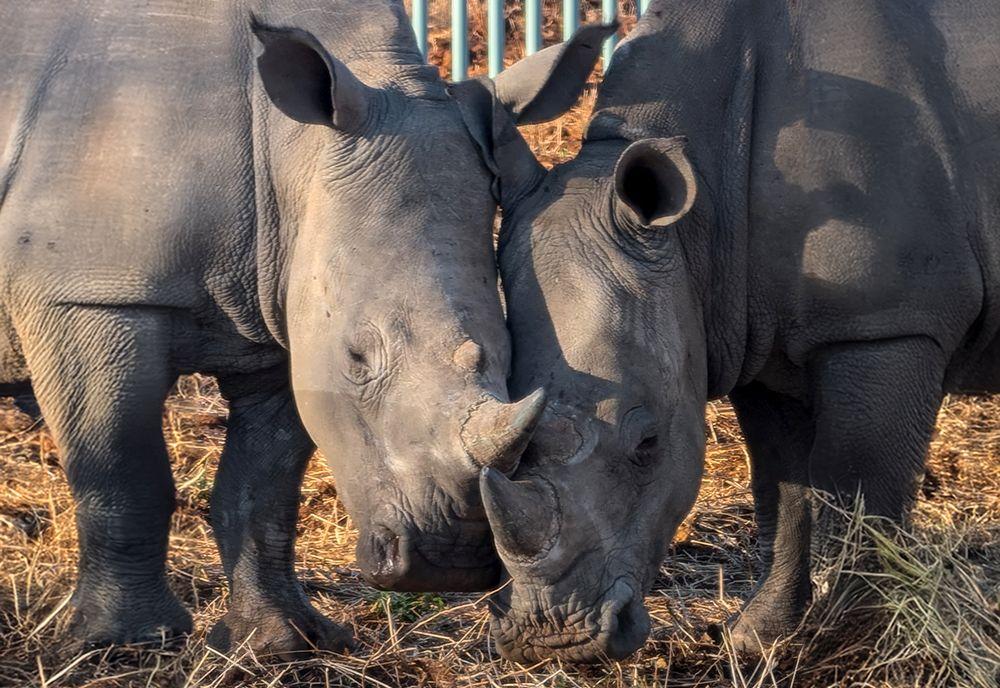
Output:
x=496 y=433
x=523 y=514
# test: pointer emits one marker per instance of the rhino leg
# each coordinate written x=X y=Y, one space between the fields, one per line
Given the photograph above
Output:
x=254 y=515
x=100 y=375
x=875 y=405
x=779 y=431
x=870 y=422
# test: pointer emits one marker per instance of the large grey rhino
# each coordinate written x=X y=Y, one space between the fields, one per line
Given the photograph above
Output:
x=283 y=195
x=793 y=203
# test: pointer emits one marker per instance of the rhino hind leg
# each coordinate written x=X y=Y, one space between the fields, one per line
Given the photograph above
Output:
x=100 y=376
x=779 y=431
x=254 y=516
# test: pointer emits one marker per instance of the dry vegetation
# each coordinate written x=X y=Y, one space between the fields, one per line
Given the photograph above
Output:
x=928 y=616
x=933 y=620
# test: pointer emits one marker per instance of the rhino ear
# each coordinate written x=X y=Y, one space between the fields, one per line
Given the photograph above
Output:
x=547 y=84
x=307 y=83
x=654 y=182
x=515 y=169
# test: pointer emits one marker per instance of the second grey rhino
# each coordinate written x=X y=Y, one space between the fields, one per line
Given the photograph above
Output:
x=823 y=246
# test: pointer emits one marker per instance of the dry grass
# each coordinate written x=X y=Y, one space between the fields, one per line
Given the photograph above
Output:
x=939 y=602
x=928 y=618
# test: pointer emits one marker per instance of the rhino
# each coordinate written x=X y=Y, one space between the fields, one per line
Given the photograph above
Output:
x=283 y=195
x=793 y=204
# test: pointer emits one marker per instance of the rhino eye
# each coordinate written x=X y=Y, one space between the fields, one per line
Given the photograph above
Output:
x=358 y=370
x=365 y=356
x=358 y=358
x=647 y=451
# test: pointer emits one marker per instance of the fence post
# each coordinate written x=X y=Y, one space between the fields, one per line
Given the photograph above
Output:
x=609 y=10
x=571 y=17
x=494 y=36
x=532 y=26
x=419 y=22
x=459 y=40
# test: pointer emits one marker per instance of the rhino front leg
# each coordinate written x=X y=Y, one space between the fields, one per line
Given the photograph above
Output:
x=779 y=431
x=875 y=405
x=100 y=375
x=254 y=514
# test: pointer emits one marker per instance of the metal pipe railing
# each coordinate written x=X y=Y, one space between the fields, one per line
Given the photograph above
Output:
x=532 y=26
x=494 y=36
x=419 y=22
x=459 y=40
x=570 y=18
x=495 y=28
x=609 y=10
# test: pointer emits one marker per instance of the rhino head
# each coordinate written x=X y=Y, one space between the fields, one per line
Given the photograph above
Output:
x=602 y=312
x=383 y=287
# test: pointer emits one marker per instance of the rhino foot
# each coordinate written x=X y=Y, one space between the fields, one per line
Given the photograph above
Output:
x=119 y=619
x=750 y=639
x=761 y=624
x=273 y=632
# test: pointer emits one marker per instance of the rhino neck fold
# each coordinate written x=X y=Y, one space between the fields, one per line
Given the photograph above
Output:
x=705 y=59
x=282 y=170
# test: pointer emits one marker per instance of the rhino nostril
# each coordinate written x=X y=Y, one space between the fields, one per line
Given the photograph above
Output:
x=625 y=620
x=381 y=559
x=389 y=548
x=627 y=624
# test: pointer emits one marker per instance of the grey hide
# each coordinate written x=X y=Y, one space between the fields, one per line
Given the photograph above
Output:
x=282 y=195
x=795 y=204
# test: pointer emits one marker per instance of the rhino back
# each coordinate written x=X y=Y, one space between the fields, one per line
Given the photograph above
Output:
x=850 y=157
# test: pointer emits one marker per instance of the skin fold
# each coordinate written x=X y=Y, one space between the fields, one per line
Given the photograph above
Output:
x=285 y=196
x=795 y=204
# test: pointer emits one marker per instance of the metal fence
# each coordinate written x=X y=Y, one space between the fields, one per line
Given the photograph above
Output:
x=495 y=29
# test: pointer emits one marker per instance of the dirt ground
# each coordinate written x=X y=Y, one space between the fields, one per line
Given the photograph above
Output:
x=934 y=621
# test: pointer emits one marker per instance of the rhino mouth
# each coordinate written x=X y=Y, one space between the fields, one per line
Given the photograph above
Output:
x=612 y=628
x=425 y=563
x=459 y=556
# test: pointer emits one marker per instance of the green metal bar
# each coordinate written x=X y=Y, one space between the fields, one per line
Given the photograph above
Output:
x=643 y=6
x=571 y=17
x=532 y=26
x=494 y=36
x=419 y=22
x=609 y=10
x=459 y=40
